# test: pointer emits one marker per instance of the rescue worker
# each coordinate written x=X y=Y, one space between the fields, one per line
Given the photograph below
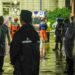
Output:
x=24 y=48
x=3 y=32
x=69 y=45
x=48 y=31
x=43 y=37
x=48 y=35
x=59 y=32
x=14 y=27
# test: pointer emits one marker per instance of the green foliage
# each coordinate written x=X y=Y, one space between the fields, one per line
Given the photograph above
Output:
x=58 y=12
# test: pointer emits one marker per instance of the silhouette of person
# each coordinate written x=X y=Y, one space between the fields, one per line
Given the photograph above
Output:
x=43 y=37
x=69 y=45
x=3 y=32
x=59 y=32
x=24 y=48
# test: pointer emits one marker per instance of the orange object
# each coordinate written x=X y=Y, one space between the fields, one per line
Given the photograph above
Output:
x=13 y=29
x=43 y=35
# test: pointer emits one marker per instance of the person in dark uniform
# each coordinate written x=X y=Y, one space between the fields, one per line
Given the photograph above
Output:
x=59 y=32
x=69 y=44
x=24 y=48
x=3 y=32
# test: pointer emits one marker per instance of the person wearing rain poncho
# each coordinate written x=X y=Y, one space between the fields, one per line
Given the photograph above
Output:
x=69 y=43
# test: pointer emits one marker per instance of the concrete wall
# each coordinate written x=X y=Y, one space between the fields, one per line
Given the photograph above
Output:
x=50 y=4
x=45 y=5
x=30 y=4
x=34 y=5
x=61 y=3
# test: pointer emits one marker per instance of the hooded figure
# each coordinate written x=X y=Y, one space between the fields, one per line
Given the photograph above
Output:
x=24 y=48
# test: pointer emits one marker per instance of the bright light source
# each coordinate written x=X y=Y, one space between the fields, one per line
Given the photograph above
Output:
x=15 y=2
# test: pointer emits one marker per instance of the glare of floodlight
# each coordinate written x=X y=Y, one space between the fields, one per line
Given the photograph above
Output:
x=15 y=2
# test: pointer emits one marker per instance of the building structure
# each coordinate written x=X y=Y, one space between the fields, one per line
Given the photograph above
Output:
x=13 y=7
x=72 y=5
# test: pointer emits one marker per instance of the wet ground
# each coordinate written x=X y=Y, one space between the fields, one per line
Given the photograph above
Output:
x=53 y=64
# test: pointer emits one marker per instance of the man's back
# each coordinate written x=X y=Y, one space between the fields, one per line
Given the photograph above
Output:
x=25 y=49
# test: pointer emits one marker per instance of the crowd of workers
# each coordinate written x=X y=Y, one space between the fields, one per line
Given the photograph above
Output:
x=27 y=46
